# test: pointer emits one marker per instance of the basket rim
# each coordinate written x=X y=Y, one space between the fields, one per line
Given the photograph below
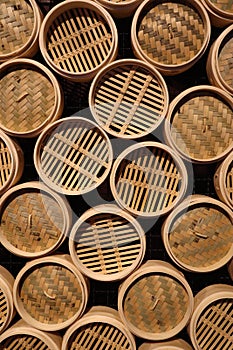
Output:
x=219 y=11
x=220 y=177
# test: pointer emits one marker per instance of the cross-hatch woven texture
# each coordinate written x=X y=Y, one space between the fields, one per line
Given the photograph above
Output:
x=3 y=308
x=24 y=342
x=215 y=326
x=5 y=163
x=202 y=127
x=201 y=237
x=169 y=296
x=27 y=99
x=229 y=183
x=51 y=294
x=225 y=62
x=224 y=5
x=171 y=33
x=32 y=222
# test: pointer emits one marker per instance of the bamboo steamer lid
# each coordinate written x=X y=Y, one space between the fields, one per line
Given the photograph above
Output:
x=220 y=12
x=50 y=293
x=175 y=344
x=77 y=38
x=223 y=180
x=199 y=124
x=155 y=302
x=34 y=220
x=120 y=8
x=106 y=243
x=7 y=309
x=99 y=328
x=129 y=98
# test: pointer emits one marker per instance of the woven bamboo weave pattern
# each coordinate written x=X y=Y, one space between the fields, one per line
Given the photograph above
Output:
x=229 y=182
x=6 y=167
x=225 y=62
x=16 y=25
x=51 y=294
x=3 y=309
x=23 y=342
x=224 y=5
x=171 y=33
x=215 y=326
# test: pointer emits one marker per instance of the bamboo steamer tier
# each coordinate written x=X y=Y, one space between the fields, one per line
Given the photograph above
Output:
x=20 y=26
x=50 y=293
x=156 y=301
x=78 y=38
x=106 y=243
x=172 y=36
x=199 y=124
x=99 y=328
x=129 y=98
x=31 y=97
x=223 y=180
x=7 y=309
x=230 y=269
x=148 y=179
x=175 y=344
x=73 y=155
x=34 y=220
x=219 y=11
x=211 y=323
x=198 y=234
x=120 y=8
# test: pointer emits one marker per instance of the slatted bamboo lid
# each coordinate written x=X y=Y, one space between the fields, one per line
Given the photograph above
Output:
x=129 y=98
x=223 y=180
x=7 y=310
x=77 y=38
x=174 y=344
x=106 y=243
x=199 y=124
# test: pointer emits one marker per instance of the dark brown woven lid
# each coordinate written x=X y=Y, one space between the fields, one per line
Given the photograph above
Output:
x=22 y=342
x=225 y=60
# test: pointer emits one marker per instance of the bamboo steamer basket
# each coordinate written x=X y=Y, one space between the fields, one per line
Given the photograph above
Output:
x=129 y=98
x=148 y=179
x=120 y=8
x=50 y=293
x=220 y=12
x=230 y=269
x=175 y=344
x=155 y=302
x=223 y=180
x=20 y=26
x=7 y=309
x=11 y=162
x=31 y=97
x=34 y=220
x=73 y=156
x=99 y=328
x=23 y=336
x=211 y=323
x=199 y=124
x=106 y=243
x=198 y=234
x=78 y=38
x=172 y=36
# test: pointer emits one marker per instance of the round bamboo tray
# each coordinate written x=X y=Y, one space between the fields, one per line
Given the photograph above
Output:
x=73 y=155
x=198 y=234
x=34 y=220
x=175 y=344
x=30 y=99
x=78 y=38
x=50 y=293
x=220 y=12
x=155 y=302
x=11 y=162
x=120 y=8
x=7 y=309
x=148 y=179
x=211 y=323
x=223 y=180
x=129 y=98
x=106 y=243
x=20 y=26
x=99 y=328
x=172 y=36
x=199 y=124
x=230 y=268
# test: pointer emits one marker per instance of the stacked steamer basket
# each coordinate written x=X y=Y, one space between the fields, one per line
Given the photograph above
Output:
x=7 y=309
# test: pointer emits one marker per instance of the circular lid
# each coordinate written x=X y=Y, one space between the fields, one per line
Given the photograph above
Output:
x=7 y=166
x=129 y=98
x=222 y=6
x=225 y=59
x=22 y=342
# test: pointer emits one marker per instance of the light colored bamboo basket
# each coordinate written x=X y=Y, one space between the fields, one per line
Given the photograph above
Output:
x=106 y=243
x=50 y=293
x=34 y=220
x=223 y=180
x=172 y=36
x=198 y=234
x=120 y=8
x=175 y=344
x=220 y=12
x=99 y=328
x=78 y=38
x=30 y=99
x=20 y=26
x=73 y=155
x=211 y=323
x=129 y=98
x=230 y=268
x=148 y=179
x=7 y=309
x=156 y=301
x=199 y=124
x=11 y=162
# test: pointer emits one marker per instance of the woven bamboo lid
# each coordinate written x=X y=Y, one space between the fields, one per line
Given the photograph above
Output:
x=7 y=310
x=106 y=243
x=223 y=8
x=120 y=8
x=34 y=220
x=155 y=302
x=170 y=35
x=223 y=180
x=199 y=124
x=73 y=155
x=198 y=234
x=50 y=293
x=129 y=98
x=148 y=179
x=175 y=344
x=77 y=38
